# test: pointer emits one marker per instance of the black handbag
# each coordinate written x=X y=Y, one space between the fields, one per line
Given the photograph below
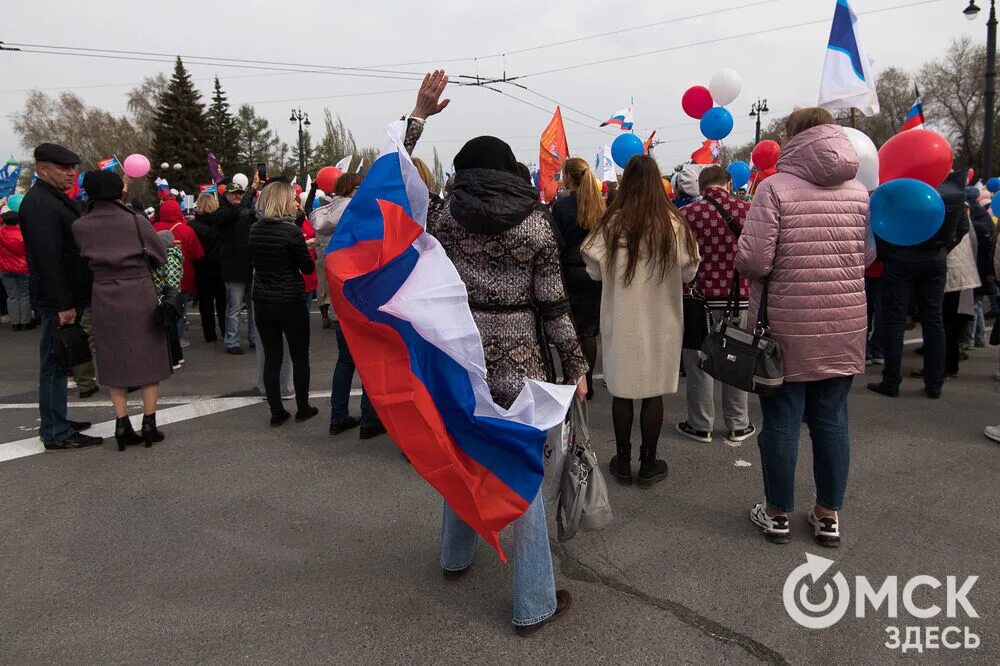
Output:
x=169 y=300
x=747 y=359
x=697 y=318
x=70 y=347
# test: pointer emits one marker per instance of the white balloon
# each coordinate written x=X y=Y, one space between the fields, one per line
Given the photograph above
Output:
x=867 y=157
x=165 y=165
x=241 y=180
x=725 y=86
x=177 y=166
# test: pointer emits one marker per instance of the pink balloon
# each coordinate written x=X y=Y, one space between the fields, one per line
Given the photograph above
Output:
x=696 y=101
x=136 y=165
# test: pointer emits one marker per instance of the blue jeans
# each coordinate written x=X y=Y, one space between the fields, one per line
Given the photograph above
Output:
x=924 y=282
x=18 y=298
x=182 y=322
x=52 y=399
x=340 y=391
x=824 y=405
x=236 y=297
x=534 y=582
x=873 y=291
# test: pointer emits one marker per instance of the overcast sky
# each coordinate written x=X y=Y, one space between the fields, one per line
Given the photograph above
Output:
x=782 y=66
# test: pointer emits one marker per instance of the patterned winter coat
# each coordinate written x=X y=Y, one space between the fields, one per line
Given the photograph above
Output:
x=716 y=242
x=807 y=236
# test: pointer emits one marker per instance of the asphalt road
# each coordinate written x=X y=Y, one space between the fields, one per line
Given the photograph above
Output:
x=235 y=542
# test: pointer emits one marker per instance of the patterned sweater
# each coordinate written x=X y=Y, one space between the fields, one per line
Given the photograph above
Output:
x=717 y=243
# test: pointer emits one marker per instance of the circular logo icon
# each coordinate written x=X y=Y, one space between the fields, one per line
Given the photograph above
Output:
x=797 y=590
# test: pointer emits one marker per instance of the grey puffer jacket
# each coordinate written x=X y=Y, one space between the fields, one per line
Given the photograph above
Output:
x=324 y=221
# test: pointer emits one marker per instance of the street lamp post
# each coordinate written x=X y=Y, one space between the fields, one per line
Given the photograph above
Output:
x=758 y=109
x=301 y=119
x=990 y=92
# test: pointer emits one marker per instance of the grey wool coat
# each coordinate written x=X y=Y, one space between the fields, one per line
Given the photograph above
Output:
x=131 y=346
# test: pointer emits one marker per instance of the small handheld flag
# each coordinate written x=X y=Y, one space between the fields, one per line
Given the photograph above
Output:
x=914 y=117
x=622 y=119
x=848 y=80
x=344 y=164
x=110 y=164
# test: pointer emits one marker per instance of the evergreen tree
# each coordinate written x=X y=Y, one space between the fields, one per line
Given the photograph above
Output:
x=255 y=141
x=223 y=137
x=179 y=134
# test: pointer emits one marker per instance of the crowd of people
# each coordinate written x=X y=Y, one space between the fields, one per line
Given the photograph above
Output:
x=600 y=266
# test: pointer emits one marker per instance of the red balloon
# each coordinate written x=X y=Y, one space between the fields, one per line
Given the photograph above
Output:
x=327 y=178
x=696 y=101
x=916 y=153
x=765 y=154
x=972 y=174
x=297 y=188
x=220 y=188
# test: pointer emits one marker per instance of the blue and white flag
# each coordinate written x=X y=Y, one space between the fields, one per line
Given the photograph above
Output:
x=604 y=166
x=848 y=76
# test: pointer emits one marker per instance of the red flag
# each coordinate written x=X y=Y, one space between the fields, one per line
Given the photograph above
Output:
x=649 y=143
x=554 y=150
x=707 y=153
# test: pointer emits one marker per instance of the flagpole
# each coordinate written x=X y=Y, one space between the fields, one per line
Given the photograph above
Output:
x=854 y=117
x=631 y=102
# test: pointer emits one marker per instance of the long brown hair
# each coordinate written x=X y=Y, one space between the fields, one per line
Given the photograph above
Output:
x=578 y=178
x=641 y=220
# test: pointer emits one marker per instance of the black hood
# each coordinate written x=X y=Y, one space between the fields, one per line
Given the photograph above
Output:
x=487 y=201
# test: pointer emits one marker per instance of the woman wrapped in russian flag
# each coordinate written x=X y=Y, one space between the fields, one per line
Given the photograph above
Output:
x=450 y=327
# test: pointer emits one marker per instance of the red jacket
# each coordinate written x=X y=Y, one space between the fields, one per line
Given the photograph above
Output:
x=13 y=258
x=716 y=242
x=172 y=219
x=311 y=280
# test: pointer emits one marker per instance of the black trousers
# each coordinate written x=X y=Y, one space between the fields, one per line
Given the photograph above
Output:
x=922 y=283
x=290 y=320
x=955 y=325
x=211 y=303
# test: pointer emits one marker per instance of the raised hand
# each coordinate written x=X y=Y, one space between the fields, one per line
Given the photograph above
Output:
x=429 y=100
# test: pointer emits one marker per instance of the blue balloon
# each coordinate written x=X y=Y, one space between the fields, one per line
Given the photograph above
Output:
x=995 y=206
x=740 y=173
x=14 y=202
x=993 y=185
x=625 y=147
x=716 y=124
x=906 y=211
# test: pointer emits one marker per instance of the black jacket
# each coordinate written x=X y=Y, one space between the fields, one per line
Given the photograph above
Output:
x=234 y=226
x=956 y=225
x=280 y=256
x=982 y=223
x=206 y=226
x=60 y=277
x=564 y=211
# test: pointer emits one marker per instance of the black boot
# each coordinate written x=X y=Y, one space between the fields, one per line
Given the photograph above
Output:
x=149 y=432
x=651 y=469
x=125 y=434
x=621 y=464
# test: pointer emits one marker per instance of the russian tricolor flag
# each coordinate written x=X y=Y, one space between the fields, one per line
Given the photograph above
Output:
x=914 y=117
x=110 y=164
x=404 y=311
x=622 y=119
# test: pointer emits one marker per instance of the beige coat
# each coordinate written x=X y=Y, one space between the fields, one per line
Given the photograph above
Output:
x=642 y=324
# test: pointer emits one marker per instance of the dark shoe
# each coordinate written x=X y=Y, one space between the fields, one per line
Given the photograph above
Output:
x=703 y=436
x=80 y=426
x=883 y=389
x=621 y=464
x=84 y=394
x=17 y=327
x=346 y=424
x=455 y=575
x=774 y=528
x=825 y=530
x=77 y=441
x=372 y=431
x=149 y=432
x=306 y=413
x=211 y=338
x=236 y=351
x=563 y=602
x=29 y=326
x=327 y=323
x=932 y=394
x=742 y=434
x=652 y=470
x=253 y=345
x=125 y=434
x=280 y=417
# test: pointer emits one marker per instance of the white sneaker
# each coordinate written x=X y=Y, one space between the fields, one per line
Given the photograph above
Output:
x=775 y=529
x=993 y=432
x=826 y=530
x=70 y=384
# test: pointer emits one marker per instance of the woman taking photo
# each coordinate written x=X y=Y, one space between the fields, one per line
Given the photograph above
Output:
x=506 y=254
x=806 y=239
x=129 y=341
x=643 y=253
x=280 y=257
x=576 y=216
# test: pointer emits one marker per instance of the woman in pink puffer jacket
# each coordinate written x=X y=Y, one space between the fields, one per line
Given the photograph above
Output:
x=807 y=238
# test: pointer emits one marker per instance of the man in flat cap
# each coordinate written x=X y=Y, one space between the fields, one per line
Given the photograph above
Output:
x=60 y=284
